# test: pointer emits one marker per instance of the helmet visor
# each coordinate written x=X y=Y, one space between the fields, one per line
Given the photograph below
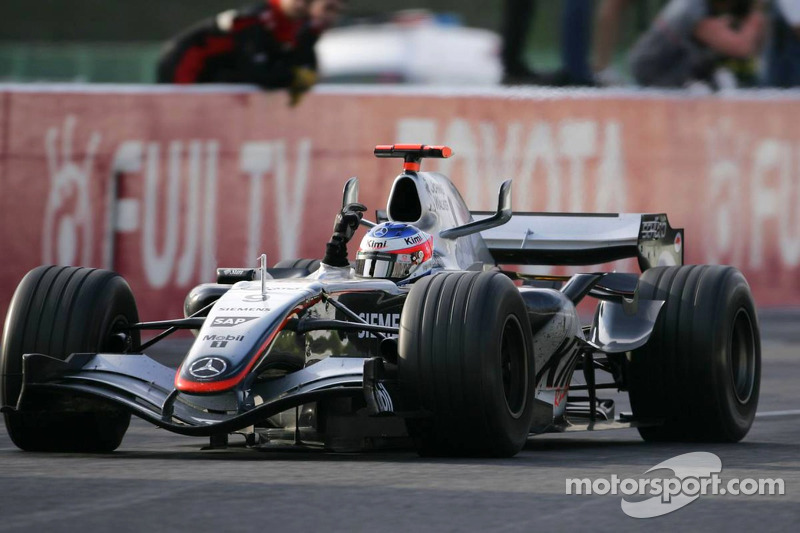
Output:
x=383 y=265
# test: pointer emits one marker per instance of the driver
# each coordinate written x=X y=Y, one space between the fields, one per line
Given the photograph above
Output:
x=390 y=250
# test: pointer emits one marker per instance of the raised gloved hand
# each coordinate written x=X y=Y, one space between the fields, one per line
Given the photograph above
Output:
x=348 y=219
x=344 y=228
x=303 y=79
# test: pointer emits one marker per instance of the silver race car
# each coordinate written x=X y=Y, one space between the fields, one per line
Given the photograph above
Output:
x=424 y=340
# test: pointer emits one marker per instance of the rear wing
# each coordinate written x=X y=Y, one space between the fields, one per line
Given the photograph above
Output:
x=583 y=239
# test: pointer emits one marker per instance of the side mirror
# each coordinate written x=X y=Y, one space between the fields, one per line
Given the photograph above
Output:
x=350 y=193
x=500 y=217
x=350 y=196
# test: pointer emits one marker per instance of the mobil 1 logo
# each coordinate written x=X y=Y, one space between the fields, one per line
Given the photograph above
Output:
x=221 y=341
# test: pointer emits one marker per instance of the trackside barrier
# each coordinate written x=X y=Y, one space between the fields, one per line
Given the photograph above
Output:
x=164 y=185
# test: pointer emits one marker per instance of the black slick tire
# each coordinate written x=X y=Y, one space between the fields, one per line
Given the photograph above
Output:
x=466 y=359
x=700 y=371
x=58 y=311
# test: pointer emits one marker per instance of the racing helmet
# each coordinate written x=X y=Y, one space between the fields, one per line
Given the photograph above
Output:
x=399 y=252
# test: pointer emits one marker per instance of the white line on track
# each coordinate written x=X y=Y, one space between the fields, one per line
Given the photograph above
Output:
x=776 y=414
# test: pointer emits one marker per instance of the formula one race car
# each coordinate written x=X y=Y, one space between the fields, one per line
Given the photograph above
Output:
x=424 y=341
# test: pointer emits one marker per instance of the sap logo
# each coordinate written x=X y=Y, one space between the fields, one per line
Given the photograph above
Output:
x=224 y=338
x=390 y=320
x=416 y=239
x=230 y=321
x=377 y=244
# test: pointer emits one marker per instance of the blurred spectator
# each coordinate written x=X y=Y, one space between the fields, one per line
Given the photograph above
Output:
x=607 y=30
x=689 y=37
x=783 y=50
x=576 y=38
x=517 y=19
x=576 y=29
x=270 y=44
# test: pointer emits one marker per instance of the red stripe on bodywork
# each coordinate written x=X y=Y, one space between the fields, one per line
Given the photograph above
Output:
x=198 y=387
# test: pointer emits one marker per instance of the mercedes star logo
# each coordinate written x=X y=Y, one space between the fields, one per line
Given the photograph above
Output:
x=208 y=367
x=380 y=232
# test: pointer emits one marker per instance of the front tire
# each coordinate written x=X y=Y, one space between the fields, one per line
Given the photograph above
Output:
x=466 y=357
x=701 y=370
x=58 y=311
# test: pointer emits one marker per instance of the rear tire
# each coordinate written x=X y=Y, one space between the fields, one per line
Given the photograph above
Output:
x=701 y=370
x=466 y=357
x=58 y=311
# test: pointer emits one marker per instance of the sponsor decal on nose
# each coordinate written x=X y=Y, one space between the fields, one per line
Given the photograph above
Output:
x=230 y=321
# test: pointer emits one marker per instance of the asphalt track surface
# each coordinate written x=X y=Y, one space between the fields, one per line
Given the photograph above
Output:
x=158 y=481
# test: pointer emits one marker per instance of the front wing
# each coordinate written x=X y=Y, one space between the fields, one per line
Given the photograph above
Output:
x=144 y=387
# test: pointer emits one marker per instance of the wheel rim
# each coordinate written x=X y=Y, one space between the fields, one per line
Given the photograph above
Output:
x=514 y=366
x=742 y=357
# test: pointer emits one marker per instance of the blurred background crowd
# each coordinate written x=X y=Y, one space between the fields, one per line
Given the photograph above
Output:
x=646 y=43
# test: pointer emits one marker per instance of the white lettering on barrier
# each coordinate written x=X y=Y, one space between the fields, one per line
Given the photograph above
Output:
x=765 y=198
x=588 y=152
x=198 y=237
x=723 y=244
x=541 y=148
x=178 y=228
x=763 y=204
x=577 y=143
x=158 y=266
x=67 y=226
x=459 y=133
x=789 y=226
x=611 y=194
x=257 y=159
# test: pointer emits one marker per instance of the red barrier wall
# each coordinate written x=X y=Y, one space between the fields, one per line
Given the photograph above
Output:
x=209 y=179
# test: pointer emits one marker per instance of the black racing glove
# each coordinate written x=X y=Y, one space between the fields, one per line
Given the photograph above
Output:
x=344 y=228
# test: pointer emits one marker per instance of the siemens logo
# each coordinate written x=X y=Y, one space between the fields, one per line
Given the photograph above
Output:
x=379 y=319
